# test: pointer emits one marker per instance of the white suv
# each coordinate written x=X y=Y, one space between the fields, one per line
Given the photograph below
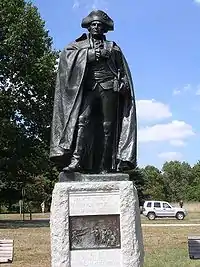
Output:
x=153 y=209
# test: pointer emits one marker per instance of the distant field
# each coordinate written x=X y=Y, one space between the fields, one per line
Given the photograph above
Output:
x=193 y=216
x=35 y=216
x=164 y=246
x=190 y=206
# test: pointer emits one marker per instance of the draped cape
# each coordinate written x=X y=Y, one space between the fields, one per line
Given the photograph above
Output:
x=68 y=97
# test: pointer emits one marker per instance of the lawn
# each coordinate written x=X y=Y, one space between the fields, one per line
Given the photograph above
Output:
x=31 y=246
x=167 y=246
x=164 y=246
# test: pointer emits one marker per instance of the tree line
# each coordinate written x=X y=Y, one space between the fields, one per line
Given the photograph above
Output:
x=27 y=80
x=174 y=182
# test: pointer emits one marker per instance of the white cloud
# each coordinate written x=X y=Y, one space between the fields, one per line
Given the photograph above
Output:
x=175 y=130
x=198 y=87
x=185 y=88
x=90 y=4
x=197 y=1
x=176 y=92
x=172 y=155
x=152 y=110
x=177 y=142
x=76 y=4
x=96 y=4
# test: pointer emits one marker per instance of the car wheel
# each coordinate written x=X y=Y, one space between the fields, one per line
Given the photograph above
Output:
x=180 y=215
x=151 y=216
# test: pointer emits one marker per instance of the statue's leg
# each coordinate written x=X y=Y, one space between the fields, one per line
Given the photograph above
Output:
x=109 y=105
x=106 y=162
x=83 y=122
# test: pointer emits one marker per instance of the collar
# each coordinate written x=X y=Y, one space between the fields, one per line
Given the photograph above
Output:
x=102 y=39
x=85 y=42
x=92 y=40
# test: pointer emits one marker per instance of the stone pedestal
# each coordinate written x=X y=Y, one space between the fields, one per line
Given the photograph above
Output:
x=95 y=222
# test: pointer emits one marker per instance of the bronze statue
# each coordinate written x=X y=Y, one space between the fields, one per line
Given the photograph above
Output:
x=94 y=125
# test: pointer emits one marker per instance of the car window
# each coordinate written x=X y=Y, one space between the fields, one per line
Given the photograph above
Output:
x=149 y=204
x=165 y=206
x=157 y=205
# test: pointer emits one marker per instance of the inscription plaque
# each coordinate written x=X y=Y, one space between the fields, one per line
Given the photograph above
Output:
x=94 y=232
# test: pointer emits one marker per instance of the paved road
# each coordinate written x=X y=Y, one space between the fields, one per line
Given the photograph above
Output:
x=170 y=224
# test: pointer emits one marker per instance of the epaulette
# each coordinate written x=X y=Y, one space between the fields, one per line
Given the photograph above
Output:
x=116 y=47
x=82 y=37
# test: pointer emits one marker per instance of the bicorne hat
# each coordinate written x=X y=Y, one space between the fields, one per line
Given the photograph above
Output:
x=98 y=15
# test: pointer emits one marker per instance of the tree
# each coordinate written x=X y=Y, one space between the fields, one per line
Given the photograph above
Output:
x=193 y=189
x=153 y=183
x=177 y=176
x=27 y=80
x=137 y=177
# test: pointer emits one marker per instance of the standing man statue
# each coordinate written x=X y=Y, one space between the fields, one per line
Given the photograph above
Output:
x=94 y=120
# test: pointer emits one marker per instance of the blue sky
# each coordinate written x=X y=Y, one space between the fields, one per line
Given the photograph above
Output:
x=161 y=42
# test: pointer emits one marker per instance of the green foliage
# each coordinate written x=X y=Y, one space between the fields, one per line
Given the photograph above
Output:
x=137 y=177
x=193 y=189
x=27 y=81
x=177 y=176
x=27 y=68
x=154 y=184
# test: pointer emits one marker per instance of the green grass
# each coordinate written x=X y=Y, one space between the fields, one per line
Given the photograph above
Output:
x=168 y=247
x=174 y=257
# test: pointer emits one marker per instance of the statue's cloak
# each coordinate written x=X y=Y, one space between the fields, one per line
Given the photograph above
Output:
x=68 y=97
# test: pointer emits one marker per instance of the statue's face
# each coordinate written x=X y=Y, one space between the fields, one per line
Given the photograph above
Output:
x=96 y=28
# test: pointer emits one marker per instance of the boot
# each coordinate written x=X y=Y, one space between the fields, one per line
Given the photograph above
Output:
x=75 y=166
x=123 y=166
x=106 y=162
